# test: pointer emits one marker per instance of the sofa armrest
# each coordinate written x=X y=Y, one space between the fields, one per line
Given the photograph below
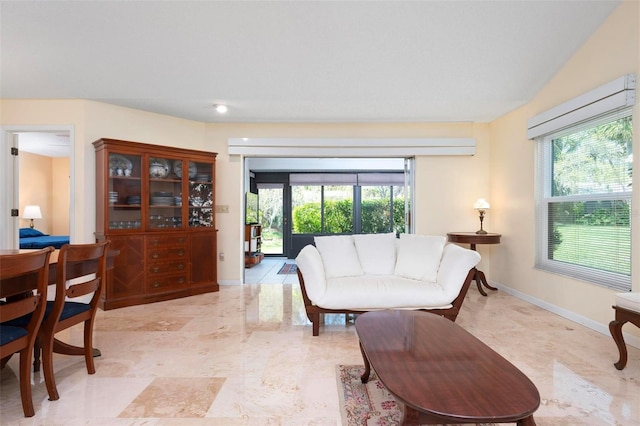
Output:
x=454 y=266
x=312 y=269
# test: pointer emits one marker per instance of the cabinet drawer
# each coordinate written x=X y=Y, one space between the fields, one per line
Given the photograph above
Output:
x=166 y=241
x=167 y=268
x=164 y=254
x=162 y=282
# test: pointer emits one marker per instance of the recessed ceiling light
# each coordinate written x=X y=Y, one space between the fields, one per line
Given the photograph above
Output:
x=221 y=108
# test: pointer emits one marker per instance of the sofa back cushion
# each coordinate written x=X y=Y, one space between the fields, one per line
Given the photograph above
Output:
x=339 y=256
x=377 y=253
x=419 y=256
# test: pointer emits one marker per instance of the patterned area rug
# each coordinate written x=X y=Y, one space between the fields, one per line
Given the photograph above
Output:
x=288 y=268
x=366 y=405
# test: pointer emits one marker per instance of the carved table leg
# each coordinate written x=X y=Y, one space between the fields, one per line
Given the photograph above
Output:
x=623 y=316
x=615 y=327
x=367 y=367
x=481 y=280
x=478 y=281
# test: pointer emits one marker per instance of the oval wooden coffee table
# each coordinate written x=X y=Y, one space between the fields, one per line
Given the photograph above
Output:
x=440 y=373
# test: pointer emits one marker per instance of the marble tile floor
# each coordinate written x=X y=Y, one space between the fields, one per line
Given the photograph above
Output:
x=245 y=356
x=267 y=272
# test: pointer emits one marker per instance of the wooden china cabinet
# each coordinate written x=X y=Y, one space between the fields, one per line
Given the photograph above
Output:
x=156 y=206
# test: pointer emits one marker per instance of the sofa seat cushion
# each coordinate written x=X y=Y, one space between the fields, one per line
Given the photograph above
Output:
x=630 y=301
x=370 y=292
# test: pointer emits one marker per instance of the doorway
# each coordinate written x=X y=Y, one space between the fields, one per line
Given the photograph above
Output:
x=273 y=219
x=39 y=172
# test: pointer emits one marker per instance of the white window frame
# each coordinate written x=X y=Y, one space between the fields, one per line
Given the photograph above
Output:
x=544 y=198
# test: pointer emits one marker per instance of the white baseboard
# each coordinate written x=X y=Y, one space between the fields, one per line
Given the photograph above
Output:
x=589 y=323
x=230 y=282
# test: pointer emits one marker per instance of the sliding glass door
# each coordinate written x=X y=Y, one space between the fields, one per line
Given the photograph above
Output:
x=296 y=207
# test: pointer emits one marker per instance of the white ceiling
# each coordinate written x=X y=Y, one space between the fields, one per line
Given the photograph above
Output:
x=294 y=61
x=49 y=144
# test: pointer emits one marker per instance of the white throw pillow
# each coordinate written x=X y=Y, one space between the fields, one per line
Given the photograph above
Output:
x=419 y=256
x=377 y=253
x=339 y=256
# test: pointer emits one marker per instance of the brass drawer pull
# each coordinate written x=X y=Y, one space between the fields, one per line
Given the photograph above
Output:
x=181 y=240
x=154 y=242
x=181 y=281
x=181 y=266
x=155 y=255
x=156 y=284
x=180 y=252
x=155 y=269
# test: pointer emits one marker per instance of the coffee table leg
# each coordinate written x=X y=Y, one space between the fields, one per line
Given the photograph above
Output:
x=367 y=367
x=527 y=421
x=408 y=416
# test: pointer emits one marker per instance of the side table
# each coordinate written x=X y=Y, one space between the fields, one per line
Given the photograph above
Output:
x=472 y=239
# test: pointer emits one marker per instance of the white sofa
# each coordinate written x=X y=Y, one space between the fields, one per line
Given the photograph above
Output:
x=364 y=272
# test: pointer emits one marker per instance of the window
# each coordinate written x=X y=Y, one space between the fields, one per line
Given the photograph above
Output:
x=306 y=204
x=348 y=203
x=584 y=201
x=322 y=209
x=382 y=209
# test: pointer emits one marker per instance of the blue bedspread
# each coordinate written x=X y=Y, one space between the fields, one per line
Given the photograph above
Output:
x=56 y=241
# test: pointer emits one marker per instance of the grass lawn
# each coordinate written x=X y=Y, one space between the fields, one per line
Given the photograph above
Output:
x=582 y=245
x=271 y=241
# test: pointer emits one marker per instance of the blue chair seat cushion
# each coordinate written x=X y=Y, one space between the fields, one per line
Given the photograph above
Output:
x=9 y=333
x=70 y=309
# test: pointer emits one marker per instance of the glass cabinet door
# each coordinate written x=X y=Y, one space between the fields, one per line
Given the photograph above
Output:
x=124 y=191
x=200 y=194
x=165 y=193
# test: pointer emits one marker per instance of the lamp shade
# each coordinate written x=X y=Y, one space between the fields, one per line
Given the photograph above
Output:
x=32 y=212
x=481 y=204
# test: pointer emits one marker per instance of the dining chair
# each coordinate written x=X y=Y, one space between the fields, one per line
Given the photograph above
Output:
x=20 y=274
x=63 y=312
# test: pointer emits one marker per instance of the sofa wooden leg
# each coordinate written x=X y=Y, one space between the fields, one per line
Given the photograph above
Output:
x=316 y=323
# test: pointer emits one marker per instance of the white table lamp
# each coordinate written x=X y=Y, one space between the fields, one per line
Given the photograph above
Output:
x=482 y=206
x=32 y=212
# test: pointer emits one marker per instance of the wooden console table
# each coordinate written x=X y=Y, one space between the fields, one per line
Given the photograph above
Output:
x=472 y=239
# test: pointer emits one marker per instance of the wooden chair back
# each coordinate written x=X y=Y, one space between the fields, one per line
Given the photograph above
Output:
x=92 y=259
x=81 y=270
x=20 y=275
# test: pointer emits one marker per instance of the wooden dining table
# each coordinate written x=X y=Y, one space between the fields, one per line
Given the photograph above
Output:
x=74 y=270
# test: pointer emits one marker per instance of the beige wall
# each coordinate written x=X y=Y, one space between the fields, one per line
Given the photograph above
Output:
x=44 y=181
x=611 y=52
x=60 y=189
x=35 y=189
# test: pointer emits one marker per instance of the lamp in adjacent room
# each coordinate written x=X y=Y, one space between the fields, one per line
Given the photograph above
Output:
x=32 y=212
x=482 y=206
